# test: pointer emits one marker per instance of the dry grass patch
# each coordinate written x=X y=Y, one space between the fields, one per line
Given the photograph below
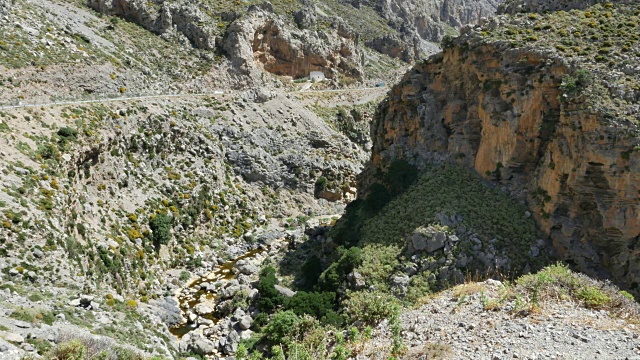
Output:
x=467 y=289
x=429 y=351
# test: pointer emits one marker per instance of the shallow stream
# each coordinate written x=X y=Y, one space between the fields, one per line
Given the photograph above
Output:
x=220 y=273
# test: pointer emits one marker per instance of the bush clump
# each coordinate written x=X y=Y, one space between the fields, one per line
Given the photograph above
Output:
x=558 y=282
x=317 y=304
x=161 y=227
x=371 y=307
x=337 y=272
x=270 y=298
x=281 y=326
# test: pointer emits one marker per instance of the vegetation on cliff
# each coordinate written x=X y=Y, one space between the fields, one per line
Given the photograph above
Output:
x=601 y=42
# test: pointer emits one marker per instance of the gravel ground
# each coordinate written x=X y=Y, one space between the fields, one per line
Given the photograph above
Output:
x=457 y=326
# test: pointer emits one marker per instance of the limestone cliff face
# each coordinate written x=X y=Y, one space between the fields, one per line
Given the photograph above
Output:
x=164 y=18
x=261 y=39
x=498 y=110
x=422 y=23
x=254 y=37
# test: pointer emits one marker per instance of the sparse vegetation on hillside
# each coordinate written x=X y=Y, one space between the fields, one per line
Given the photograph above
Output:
x=602 y=41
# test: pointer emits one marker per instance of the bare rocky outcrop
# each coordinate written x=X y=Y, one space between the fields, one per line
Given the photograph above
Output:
x=393 y=46
x=500 y=110
x=4 y=6
x=422 y=23
x=263 y=39
x=163 y=18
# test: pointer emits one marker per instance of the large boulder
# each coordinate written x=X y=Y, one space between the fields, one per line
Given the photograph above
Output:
x=246 y=267
x=245 y=322
x=14 y=338
x=204 y=309
x=429 y=239
x=202 y=345
x=168 y=310
x=284 y=291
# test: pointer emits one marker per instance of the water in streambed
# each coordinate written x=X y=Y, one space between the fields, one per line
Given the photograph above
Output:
x=220 y=273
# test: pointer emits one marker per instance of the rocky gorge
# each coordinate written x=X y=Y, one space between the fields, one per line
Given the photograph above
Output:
x=175 y=185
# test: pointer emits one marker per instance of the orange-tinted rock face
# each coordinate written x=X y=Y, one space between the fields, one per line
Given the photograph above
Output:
x=497 y=111
x=283 y=53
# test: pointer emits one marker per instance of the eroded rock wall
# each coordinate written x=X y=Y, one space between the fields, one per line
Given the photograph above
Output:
x=260 y=39
x=163 y=18
x=423 y=23
x=498 y=110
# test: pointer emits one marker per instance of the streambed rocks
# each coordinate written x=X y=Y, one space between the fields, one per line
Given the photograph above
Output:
x=213 y=320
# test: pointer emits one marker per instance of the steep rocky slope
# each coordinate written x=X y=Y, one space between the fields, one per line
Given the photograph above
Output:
x=323 y=30
x=85 y=186
x=546 y=106
x=421 y=24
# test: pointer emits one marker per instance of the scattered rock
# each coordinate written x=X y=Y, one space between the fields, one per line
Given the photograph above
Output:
x=286 y=292
x=245 y=322
x=14 y=338
x=201 y=345
x=246 y=267
x=22 y=324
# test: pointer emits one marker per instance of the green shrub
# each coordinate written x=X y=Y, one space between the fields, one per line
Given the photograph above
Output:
x=184 y=276
x=23 y=314
x=260 y=321
x=270 y=298
x=48 y=151
x=336 y=273
x=400 y=176
x=42 y=346
x=281 y=326
x=311 y=271
x=371 y=307
x=572 y=85
x=378 y=264
x=557 y=281
x=36 y=297
x=67 y=133
x=627 y=295
x=378 y=196
x=321 y=184
x=593 y=297
x=347 y=230
x=72 y=350
x=447 y=42
x=312 y=303
x=161 y=227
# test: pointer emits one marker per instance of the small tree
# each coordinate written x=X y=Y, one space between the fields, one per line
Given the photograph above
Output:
x=270 y=298
x=161 y=227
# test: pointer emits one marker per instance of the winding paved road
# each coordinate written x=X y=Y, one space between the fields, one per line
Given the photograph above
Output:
x=167 y=96
x=104 y=100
